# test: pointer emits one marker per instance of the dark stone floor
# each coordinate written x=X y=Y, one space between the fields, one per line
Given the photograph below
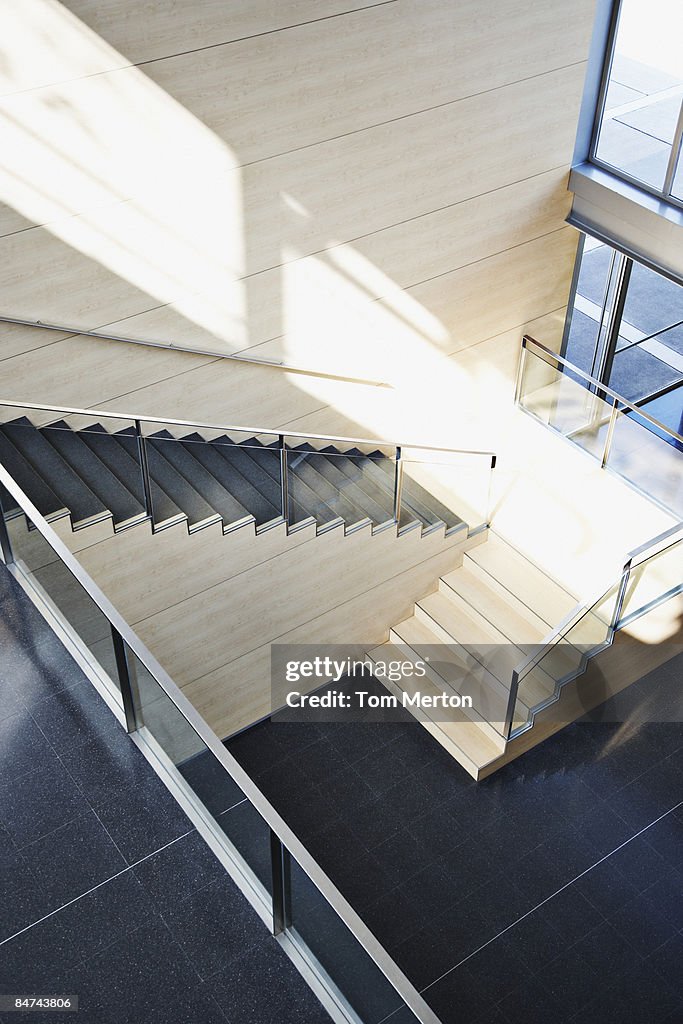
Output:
x=106 y=890
x=552 y=891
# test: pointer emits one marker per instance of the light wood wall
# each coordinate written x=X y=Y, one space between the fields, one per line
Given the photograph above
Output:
x=359 y=188
x=337 y=183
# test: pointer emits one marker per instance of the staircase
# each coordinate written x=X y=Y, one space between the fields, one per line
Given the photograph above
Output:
x=483 y=620
x=92 y=475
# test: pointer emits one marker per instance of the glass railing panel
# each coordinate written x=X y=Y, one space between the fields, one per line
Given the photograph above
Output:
x=649 y=458
x=330 y=944
x=452 y=488
x=59 y=590
x=560 y=401
x=650 y=584
x=208 y=477
x=565 y=657
x=223 y=802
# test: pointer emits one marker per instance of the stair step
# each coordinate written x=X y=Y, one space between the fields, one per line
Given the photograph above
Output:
x=508 y=571
x=125 y=508
x=415 y=494
x=84 y=506
x=379 y=496
x=306 y=489
x=465 y=740
x=381 y=470
x=119 y=453
x=246 y=479
x=509 y=615
x=33 y=485
x=455 y=669
x=164 y=457
x=216 y=496
x=330 y=469
x=462 y=624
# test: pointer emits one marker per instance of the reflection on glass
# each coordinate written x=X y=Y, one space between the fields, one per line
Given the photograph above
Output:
x=644 y=91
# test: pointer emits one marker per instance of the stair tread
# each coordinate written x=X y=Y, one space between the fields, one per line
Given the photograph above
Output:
x=31 y=483
x=306 y=489
x=514 y=573
x=119 y=452
x=187 y=461
x=458 y=668
x=248 y=481
x=48 y=463
x=346 y=478
x=163 y=457
x=381 y=470
x=506 y=613
x=114 y=495
x=467 y=736
x=414 y=493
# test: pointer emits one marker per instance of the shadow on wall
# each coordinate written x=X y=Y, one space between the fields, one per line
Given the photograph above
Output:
x=127 y=209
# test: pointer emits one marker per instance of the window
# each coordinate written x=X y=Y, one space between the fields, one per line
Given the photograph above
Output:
x=625 y=326
x=639 y=128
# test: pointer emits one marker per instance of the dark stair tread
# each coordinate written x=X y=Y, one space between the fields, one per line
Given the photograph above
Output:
x=381 y=490
x=413 y=497
x=73 y=492
x=33 y=485
x=85 y=463
x=163 y=456
x=306 y=489
x=339 y=470
x=119 y=452
x=186 y=459
x=252 y=487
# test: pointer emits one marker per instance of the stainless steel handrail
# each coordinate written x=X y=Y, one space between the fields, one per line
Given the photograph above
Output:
x=528 y=341
x=669 y=538
x=123 y=631
x=275 y=431
x=235 y=357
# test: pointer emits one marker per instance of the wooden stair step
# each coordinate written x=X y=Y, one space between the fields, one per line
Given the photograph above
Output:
x=455 y=670
x=508 y=571
x=465 y=740
x=508 y=614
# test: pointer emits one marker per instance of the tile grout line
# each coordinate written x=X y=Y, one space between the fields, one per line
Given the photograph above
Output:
x=123 y=871
x=552 y=896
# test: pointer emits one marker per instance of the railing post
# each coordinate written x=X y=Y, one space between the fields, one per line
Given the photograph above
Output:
x=5 y=543
x=126 y=676
x=512 y=701
x=609 y=436
x=144 y=467
x=489 y=498
x=520 y=371
x=398 y=485
x=284 y=483
x=280 y=865
x=621 y=597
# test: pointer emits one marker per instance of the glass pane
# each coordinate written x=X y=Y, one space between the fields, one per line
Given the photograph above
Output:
x=648 y=613
x=644 y=92
x=677 y=186
x=331 y=485
x=637 y=372
x=565 y=659
x=554 y=397
x=653 y=303
x=213 y=786
x=444 y=488
x=349 y=968
x=649 y=460
x=61 y=590
x=221 y=480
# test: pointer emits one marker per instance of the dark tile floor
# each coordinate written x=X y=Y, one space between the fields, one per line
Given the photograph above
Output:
x=551 y=891
x=106 y=890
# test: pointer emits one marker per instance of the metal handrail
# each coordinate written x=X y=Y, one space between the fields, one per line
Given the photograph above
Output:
x=527 y=341
x=236 y=357
x=124 y=637
x=275 y=431
x=668 y=538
